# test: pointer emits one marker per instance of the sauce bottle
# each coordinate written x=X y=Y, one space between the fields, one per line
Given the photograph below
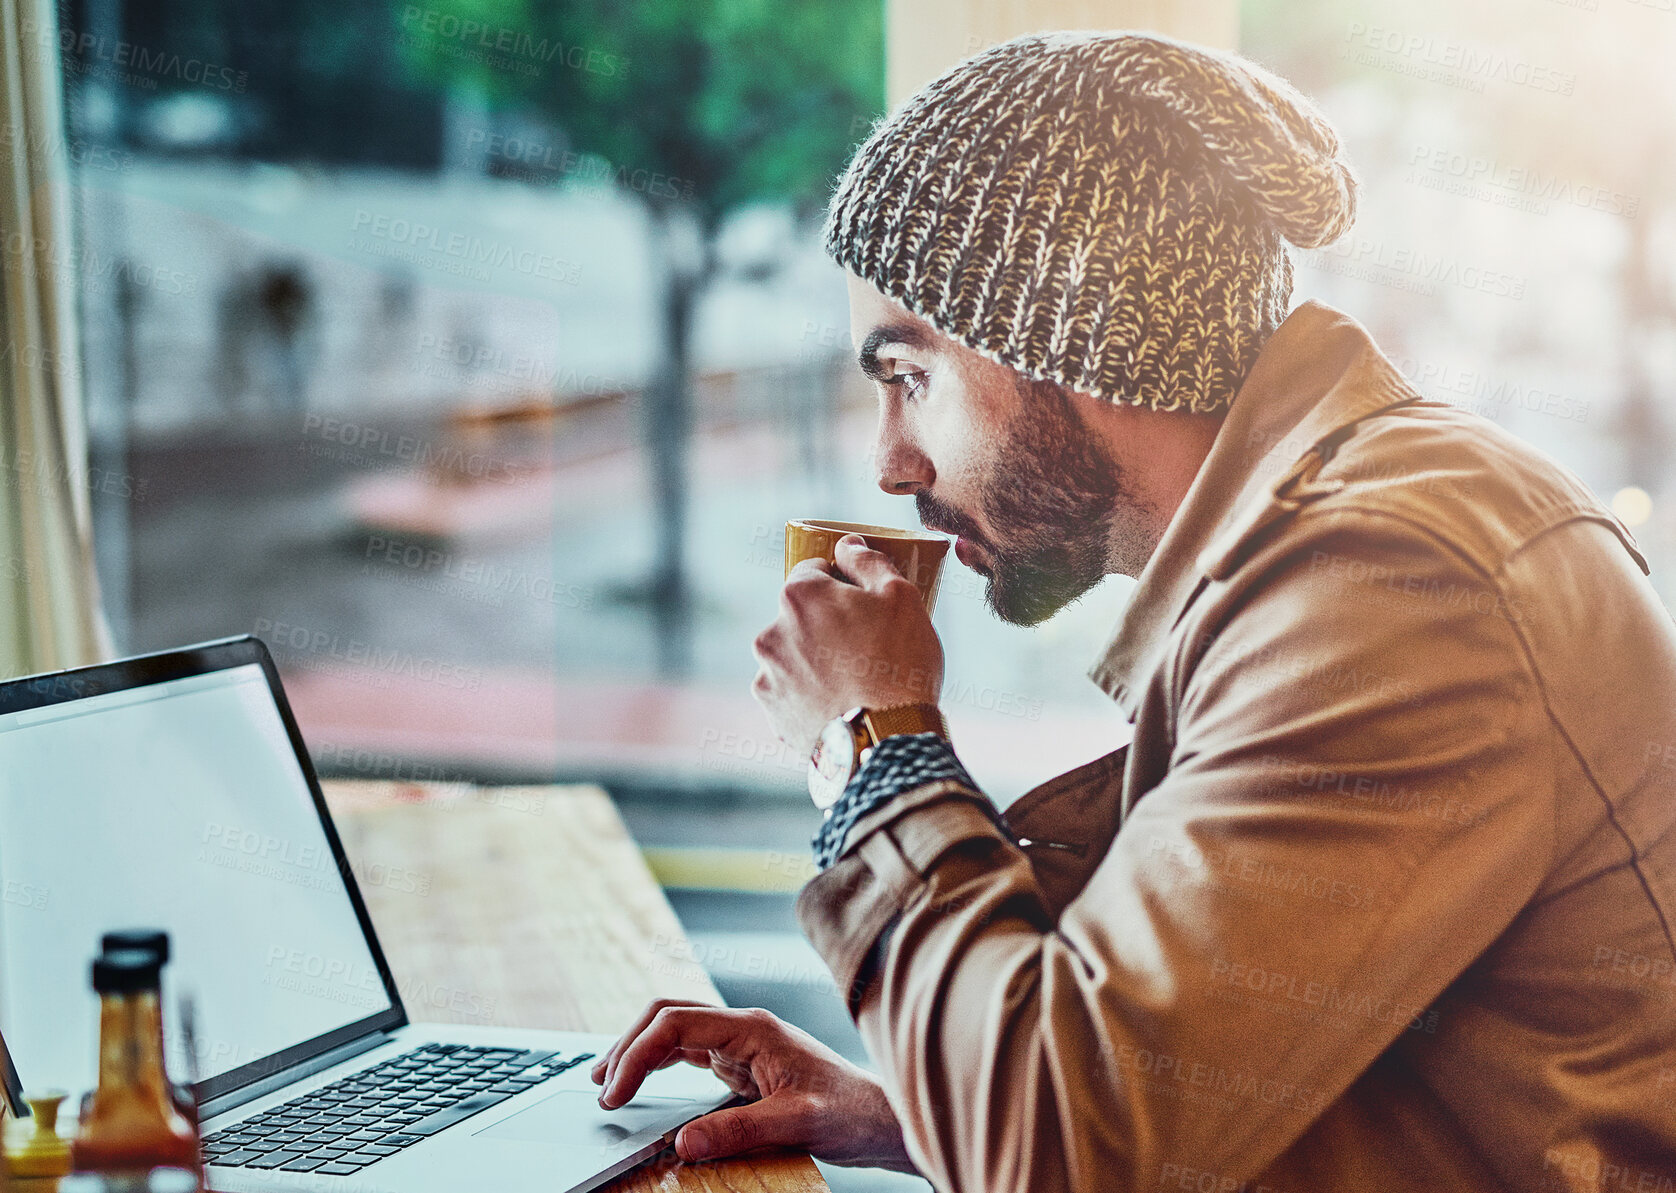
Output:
x=132 y=1125
x=156 y=941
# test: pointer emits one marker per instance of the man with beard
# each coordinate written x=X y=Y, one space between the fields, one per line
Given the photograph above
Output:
x=1380 y=894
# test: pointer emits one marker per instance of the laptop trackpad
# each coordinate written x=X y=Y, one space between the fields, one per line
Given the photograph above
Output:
x=574 y=1117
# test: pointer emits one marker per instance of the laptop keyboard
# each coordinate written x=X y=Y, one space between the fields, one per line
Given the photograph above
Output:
x=373 y=1114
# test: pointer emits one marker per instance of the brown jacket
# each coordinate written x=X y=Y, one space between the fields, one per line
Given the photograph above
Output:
x=1381 y=894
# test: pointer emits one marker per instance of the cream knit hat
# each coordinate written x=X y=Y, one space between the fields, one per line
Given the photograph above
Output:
x=1102 y=210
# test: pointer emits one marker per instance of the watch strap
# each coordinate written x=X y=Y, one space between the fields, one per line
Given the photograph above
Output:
x=904 y=718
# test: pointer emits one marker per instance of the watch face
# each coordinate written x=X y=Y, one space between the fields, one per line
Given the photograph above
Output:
x=832 y=763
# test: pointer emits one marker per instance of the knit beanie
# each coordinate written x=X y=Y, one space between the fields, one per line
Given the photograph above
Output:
x=1101 y=210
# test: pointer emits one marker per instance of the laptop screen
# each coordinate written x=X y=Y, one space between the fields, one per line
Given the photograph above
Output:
x=179 y=805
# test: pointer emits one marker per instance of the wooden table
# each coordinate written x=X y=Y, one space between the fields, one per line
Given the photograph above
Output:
x=532 y=907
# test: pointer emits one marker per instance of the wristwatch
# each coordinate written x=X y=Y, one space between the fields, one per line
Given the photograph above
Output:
x=846 y=742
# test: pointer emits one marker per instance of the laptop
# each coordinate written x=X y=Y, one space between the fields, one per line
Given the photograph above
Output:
x=173 y=790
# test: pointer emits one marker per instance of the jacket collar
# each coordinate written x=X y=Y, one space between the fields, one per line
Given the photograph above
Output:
x=1317 y=376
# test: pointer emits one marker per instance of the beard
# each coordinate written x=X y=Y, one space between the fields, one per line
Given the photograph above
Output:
x=1051 y=500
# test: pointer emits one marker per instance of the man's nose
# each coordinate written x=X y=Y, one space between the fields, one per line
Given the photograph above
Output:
x=902 y=469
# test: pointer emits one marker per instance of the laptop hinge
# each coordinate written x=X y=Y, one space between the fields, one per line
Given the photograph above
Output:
x=233 y=1099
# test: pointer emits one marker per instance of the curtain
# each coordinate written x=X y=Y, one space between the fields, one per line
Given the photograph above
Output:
x=49 y=598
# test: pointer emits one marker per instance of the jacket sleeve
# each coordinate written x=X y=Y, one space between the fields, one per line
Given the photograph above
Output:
x=1358 y=801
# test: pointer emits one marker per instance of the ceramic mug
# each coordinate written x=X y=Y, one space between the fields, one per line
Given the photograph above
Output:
x=917 y=554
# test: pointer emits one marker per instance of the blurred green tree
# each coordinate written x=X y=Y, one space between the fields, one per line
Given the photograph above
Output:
x=698 y=108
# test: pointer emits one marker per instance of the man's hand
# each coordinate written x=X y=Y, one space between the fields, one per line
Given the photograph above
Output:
x=857 y=634
x=801 y=1093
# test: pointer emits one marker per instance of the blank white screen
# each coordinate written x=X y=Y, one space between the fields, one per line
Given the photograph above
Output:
x=181 y=806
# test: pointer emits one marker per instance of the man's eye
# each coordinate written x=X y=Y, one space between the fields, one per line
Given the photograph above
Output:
x=912 y=382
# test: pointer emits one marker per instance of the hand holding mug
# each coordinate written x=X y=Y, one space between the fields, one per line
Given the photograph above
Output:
x=851 y=631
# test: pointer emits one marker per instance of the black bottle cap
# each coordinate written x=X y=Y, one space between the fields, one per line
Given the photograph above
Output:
x=147 y=940
x=126 y=971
